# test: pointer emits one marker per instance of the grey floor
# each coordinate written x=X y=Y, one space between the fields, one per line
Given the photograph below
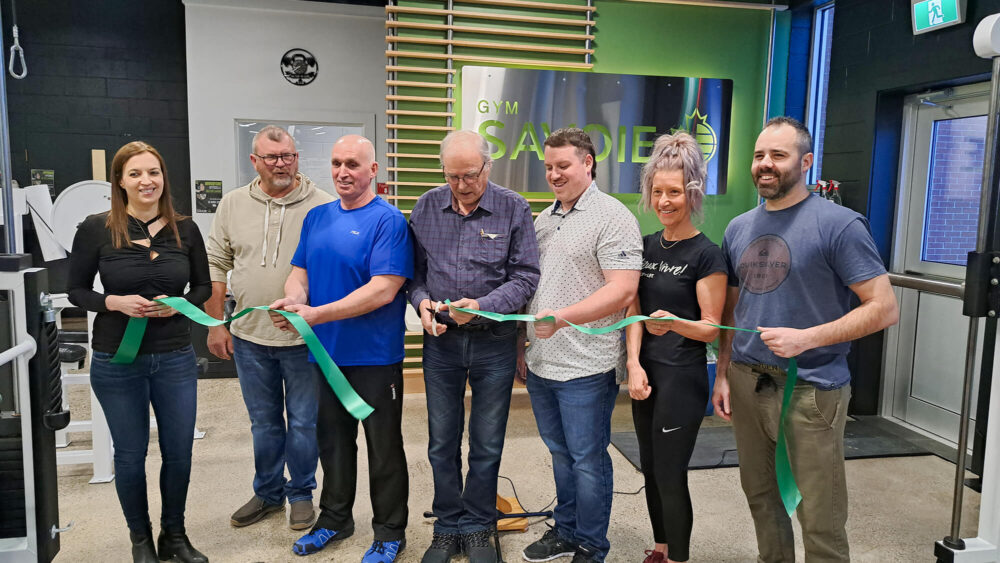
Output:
x=898 y=506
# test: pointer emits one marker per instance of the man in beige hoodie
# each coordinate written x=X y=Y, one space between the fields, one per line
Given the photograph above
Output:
x=254 y=235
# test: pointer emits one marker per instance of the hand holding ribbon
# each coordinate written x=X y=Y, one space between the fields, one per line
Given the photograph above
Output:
x=458 y=309
x=353 y=402
x=660 y=324
x=789 y=491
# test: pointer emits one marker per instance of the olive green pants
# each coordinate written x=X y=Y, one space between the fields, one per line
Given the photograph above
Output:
x=814 y=429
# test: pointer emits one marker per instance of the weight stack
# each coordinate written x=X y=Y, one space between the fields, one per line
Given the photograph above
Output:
x=47 y=415
x=12 y=517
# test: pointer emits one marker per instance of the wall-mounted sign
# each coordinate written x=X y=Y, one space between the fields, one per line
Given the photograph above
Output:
x=299 y=67
x=43 y=176
x=931 y=15
x=207 y=194
x=516 y=109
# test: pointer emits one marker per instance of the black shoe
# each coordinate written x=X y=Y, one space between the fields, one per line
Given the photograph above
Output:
x=443 y=548
x=549 y=547
x=142 y=547
x=585 y=555
x=175 y=546
x=477 y=545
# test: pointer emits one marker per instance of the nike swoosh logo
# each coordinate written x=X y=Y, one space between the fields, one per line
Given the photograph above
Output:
x=665 y=430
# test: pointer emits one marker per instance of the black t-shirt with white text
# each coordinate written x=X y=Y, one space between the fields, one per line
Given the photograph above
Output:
x=670 y=272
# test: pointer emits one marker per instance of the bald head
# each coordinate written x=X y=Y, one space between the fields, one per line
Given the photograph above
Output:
x=358 y=144
x=353 y=167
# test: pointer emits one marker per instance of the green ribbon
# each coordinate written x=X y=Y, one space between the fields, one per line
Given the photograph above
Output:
x=790 y=495
x=353 y=402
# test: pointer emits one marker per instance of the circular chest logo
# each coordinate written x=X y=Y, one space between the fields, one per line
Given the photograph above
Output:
x=299 y=67
x=764 y=264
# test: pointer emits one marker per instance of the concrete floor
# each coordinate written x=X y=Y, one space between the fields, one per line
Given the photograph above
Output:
x=898 y=506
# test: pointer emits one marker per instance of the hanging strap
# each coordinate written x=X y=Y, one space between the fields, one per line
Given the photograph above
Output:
x=16 y=52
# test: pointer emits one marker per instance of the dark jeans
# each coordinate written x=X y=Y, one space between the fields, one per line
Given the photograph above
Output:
x=486 y=359
x=276 y=380
x=168 y=381
x=337 y=433
x=574 y=421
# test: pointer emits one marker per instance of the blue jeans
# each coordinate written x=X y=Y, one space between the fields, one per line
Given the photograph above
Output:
x=276 y=380
x=168 y=381
x=487 y=360
x=574 y=421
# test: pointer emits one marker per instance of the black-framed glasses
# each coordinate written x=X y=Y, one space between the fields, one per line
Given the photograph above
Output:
x=467 y=178
x=272 y=159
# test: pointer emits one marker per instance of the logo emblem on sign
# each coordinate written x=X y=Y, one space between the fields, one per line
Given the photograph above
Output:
x=706 y=137
x=299 y=67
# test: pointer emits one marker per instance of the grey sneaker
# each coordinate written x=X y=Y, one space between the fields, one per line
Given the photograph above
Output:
x=443 y=548
x=301 y=515
x=253 y=511
x=477 y=545
x=550 y=546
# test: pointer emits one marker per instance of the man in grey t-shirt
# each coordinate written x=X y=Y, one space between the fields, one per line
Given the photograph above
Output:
x=590 y=252
x=794 y=263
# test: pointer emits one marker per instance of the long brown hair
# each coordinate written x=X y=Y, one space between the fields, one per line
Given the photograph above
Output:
x=117 y=221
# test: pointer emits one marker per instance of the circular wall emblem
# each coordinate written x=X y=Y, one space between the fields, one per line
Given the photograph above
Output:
x=764 y=264
x=299 y=67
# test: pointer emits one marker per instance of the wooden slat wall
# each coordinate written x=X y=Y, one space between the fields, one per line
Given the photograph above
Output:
x=427 y=42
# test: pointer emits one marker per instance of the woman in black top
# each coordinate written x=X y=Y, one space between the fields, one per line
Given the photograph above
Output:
x=143 y=250
x=683 y=275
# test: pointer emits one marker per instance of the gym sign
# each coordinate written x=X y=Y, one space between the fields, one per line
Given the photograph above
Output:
x=516 y=109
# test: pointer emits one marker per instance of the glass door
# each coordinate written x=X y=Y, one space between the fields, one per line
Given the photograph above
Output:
x=937 y=220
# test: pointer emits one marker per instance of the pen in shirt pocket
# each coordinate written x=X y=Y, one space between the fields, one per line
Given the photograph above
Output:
x=490 y=236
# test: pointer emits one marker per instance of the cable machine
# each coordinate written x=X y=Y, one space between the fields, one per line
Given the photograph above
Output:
x=982 y=299
x=29 y=502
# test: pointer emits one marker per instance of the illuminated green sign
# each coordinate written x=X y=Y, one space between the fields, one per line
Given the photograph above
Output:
x=516 y=109
x=930 y=15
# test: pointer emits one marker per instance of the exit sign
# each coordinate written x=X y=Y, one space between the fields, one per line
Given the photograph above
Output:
x=931 y=15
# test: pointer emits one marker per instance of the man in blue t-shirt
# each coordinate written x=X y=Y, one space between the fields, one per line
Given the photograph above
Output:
x=794 y=263
x=353 y=257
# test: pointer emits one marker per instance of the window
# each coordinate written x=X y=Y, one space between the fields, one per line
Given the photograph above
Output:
x=819 y=78
x=951 y=212
x=313 y=141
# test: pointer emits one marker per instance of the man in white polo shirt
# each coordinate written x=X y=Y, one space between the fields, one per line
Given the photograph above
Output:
x=590 y=254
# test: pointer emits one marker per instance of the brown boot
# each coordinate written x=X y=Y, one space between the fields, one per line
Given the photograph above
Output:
x=253 y=511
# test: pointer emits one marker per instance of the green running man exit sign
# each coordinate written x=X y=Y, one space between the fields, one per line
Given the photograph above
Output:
x=931 y=15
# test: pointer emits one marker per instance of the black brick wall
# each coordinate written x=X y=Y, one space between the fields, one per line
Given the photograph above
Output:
x=877 y=61
x=100 y=74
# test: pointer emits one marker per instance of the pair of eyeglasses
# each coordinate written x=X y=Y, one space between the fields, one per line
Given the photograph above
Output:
x=272 y=159
x=467 y=178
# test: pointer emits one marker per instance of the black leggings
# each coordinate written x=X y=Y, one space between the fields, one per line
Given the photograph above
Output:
x=666 y=425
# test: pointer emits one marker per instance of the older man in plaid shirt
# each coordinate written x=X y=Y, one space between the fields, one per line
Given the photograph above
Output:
x=475 y=245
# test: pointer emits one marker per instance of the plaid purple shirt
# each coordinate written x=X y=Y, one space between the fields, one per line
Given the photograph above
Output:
x=490 y=255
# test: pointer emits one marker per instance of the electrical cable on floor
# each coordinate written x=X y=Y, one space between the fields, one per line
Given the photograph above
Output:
x=630 y=493
x=518 y=499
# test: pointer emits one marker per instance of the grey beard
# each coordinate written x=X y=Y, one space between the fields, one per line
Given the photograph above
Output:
x=280 y=182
